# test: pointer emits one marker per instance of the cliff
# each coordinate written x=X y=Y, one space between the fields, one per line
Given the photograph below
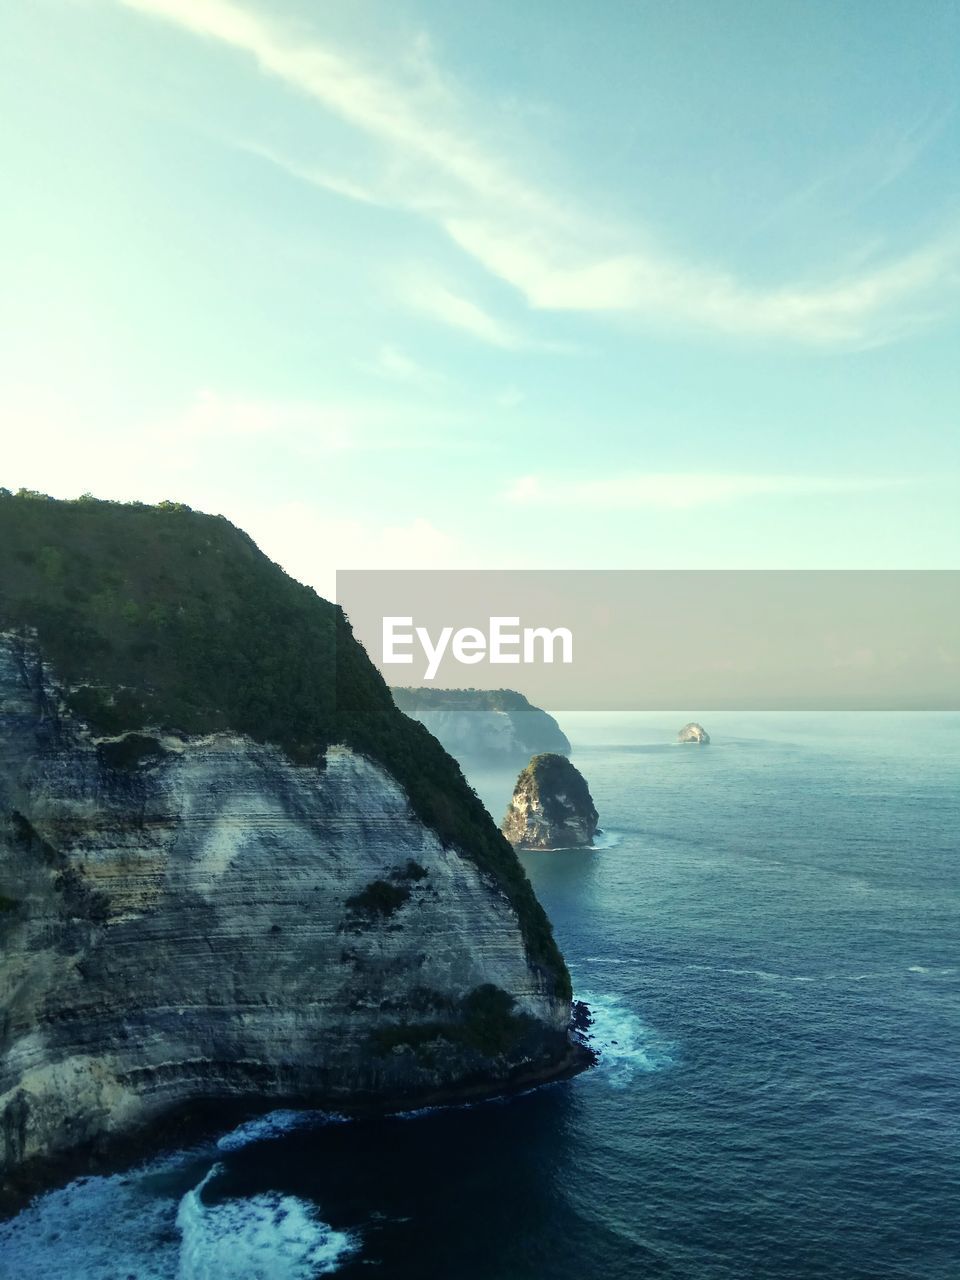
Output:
x=551 y=807
x=484 y=724
x=695 y=733
x=229 y=868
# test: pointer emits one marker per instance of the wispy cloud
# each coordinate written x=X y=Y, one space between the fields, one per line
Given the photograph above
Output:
x=549 y=245
x=311 y=174
x=855 y=308
x=452 y=309
x=212 y=416
x=312 y=544
x=393 y=363
x=677 y=491
x=301 y=429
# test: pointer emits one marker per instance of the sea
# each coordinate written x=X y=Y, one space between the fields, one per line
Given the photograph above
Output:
x=768 y=935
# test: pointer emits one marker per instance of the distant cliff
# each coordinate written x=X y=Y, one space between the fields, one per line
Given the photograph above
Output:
x=491 y=724
x=229 y=867
x=551 y=807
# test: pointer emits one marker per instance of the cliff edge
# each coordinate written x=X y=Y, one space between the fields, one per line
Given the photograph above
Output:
x=484 y=724
x=229 y=867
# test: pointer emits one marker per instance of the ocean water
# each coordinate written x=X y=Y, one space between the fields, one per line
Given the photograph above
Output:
x=769 y=936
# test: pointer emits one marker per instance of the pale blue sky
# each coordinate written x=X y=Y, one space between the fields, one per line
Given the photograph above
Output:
x=670 y=284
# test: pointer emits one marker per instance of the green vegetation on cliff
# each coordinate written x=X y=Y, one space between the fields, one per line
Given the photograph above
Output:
x=486 y=1023
x=160 y=616
x=553 y=775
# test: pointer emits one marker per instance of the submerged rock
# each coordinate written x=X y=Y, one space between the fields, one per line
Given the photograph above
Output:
x=551 y=807
x=694 y=732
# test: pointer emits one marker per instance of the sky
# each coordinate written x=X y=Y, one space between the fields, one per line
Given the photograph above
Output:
x=638 y=284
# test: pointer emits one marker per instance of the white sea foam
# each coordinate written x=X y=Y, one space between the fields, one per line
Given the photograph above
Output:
x=607 y=839
x=938 y=973
x=262 y=1237
x=95 y=1229
x=276 y=1124
x=625 y=1043
x=140 y=1224
x=417 y=1113
x=765 y=975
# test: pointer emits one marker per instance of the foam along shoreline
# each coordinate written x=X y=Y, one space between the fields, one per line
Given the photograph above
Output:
x=606 y=839
x=269 y=1235
x=213 y=1120
x=125 y=1222
x=623 y=1042
x=143 y=1223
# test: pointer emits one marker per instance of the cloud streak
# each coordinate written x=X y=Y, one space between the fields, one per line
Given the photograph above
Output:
x=677 y=491
x=457 y=312
x=547 y=245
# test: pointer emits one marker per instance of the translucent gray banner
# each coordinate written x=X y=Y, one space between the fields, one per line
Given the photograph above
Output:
x=662 y=640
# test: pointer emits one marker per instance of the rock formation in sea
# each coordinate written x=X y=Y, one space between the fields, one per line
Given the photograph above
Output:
x=496 y=725
x=225 y=874
x=551 y=807
x=695 y=733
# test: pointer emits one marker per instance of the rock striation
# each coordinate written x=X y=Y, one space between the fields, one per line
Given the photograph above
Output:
x=551 y=807
x=493 y=725
x=191 y=916
x=694 y=732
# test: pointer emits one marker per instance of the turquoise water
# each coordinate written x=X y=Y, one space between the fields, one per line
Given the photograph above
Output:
x=770 y=939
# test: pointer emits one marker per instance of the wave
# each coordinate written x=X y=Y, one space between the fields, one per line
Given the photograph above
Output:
x=443 y=1108
x=263 y=1237
x=96 y=1229
x=623 y=1041
x=765 y=975
x=276 y=1124
x=141 y=1224
x=607 y=839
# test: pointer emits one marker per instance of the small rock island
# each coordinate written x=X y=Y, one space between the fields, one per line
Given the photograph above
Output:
x=551 y=807
x=695 y=733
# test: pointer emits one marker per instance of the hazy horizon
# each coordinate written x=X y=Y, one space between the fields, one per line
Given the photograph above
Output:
x=658 y=640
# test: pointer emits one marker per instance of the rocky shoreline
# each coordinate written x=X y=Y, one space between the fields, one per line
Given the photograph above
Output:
x=205 y=1119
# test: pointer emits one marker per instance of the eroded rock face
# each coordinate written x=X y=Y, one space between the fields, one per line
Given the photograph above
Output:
x=484 y=724
x=186 y=918
x=551 y=807
x=694 y=732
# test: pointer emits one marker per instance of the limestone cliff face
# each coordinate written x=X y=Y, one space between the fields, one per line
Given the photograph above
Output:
x=188 y=917
x=695 y=733
x=496 y=725
x=551 y=807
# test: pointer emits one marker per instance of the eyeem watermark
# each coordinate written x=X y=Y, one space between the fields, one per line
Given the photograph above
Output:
x=503 y=643
x=682 y=641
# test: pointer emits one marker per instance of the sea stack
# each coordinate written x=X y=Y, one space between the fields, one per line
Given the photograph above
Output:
x=551 y=807
x=694 y=732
